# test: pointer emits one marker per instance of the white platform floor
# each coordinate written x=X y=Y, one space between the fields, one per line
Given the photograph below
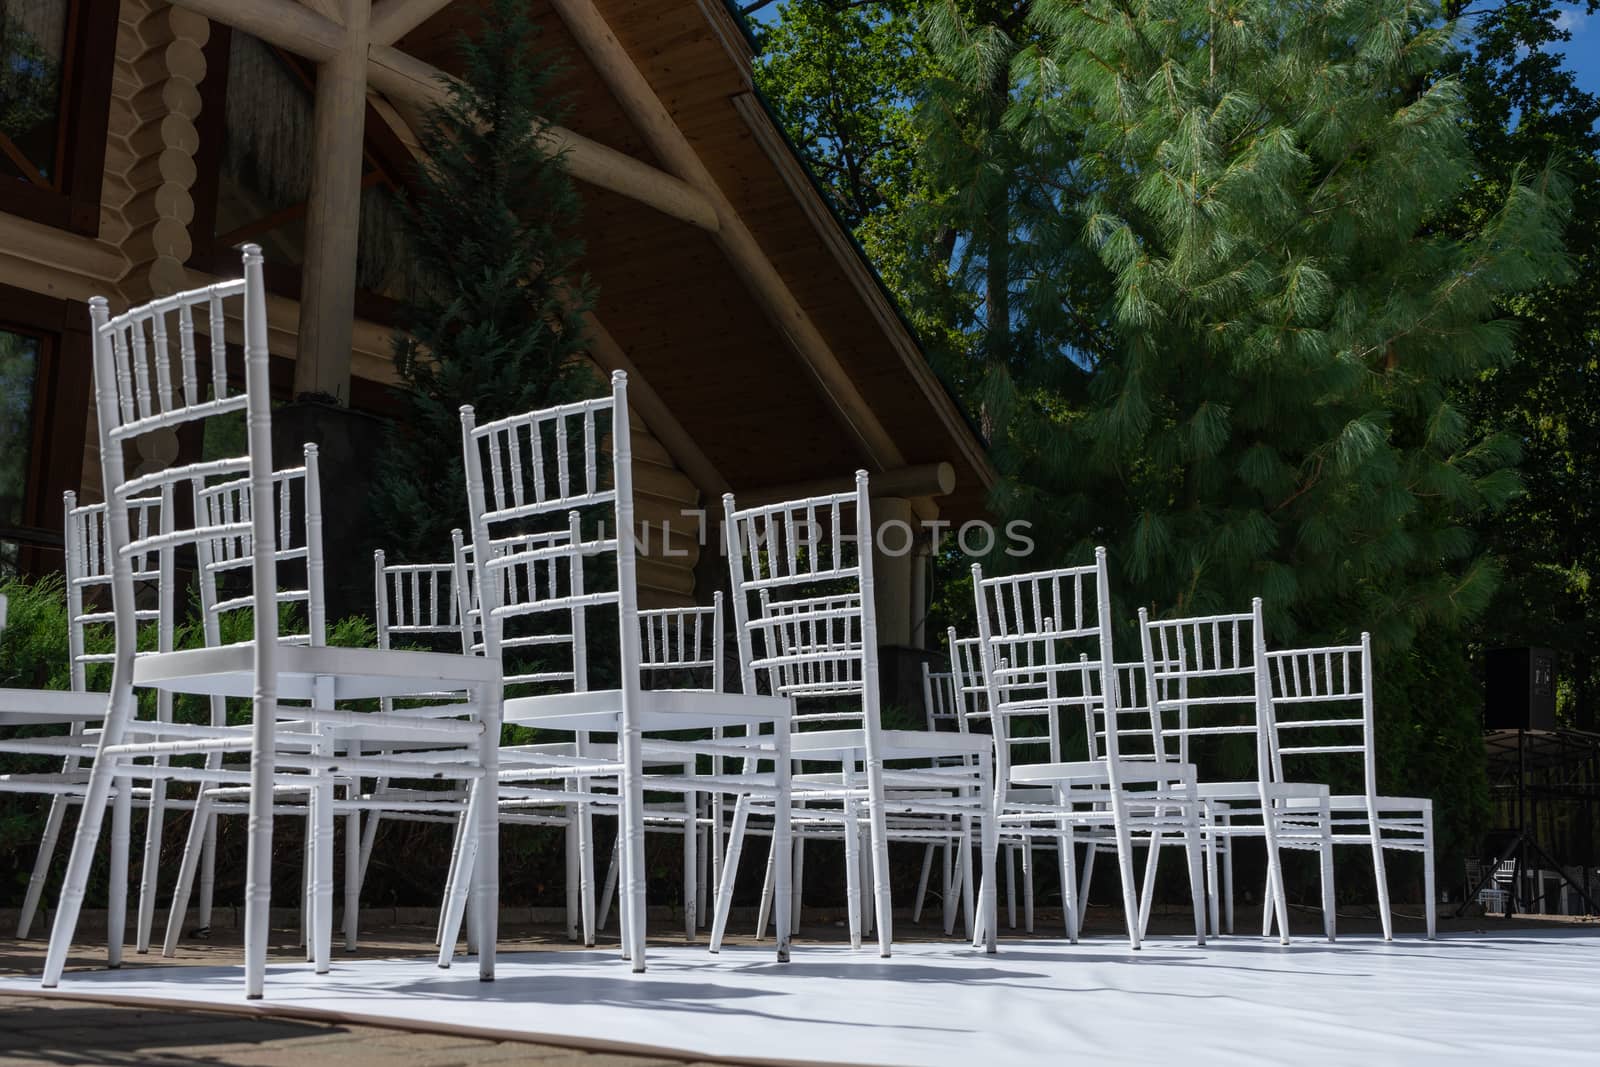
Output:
x=1491 y=998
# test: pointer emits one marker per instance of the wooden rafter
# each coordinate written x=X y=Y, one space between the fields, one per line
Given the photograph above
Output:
x=281 y=22
x=651 y=118
x=393 y=19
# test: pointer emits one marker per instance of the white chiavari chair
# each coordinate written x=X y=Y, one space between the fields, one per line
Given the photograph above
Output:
x=80 y=711
x=942 y=704
x=1046 y=644
x=148 y=379
x=548 y=477
x=804 y=617
x=1322 y=715
x=1208 y=683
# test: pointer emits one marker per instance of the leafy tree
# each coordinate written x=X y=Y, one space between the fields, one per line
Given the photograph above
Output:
x=1525 y=105
x=496 y=318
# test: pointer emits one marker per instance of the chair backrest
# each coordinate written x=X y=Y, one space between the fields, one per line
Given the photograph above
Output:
x=682 y=647
x=1322 y=707
x=294 y=512
x=941 y=696
x=150 y=378
x=88 y=574
x=804 y=619
x=417 y=601
x=548 y=509
x=1045 y=642
x=1136 y=734
x=1207 y=680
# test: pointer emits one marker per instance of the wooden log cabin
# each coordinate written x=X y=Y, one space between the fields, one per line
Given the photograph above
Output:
x=141 y=141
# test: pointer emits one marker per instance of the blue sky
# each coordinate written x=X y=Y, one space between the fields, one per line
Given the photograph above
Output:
x=1583 y=51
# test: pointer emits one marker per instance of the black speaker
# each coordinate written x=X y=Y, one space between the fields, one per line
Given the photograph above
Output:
x=1521 y=691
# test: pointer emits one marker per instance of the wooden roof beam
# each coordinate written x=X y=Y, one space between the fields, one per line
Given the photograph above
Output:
x=333 y=213
x=393 y=19
x=651 y=118
x=406 y=79
x=284 y=23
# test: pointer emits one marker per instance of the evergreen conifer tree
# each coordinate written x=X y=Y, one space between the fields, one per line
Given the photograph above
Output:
x=496 y=316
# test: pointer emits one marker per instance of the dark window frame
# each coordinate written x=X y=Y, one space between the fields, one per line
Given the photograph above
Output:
x=62 y=389
x=86 y=74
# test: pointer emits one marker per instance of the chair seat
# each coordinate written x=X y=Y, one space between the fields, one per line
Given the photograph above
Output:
x=1308 y=794
x=356 y=673
x=894 y=744
x=600 y=710
x=49 y=707
x=1098 y=772
x=1358 y=802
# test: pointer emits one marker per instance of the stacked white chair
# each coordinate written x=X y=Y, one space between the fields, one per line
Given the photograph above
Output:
x=545 y=481
x=148 y=379
x=805 y=620
x=1046 y=644
x=1208 y=683
x=1322 y=708
x=80 y=711
x=945 y=706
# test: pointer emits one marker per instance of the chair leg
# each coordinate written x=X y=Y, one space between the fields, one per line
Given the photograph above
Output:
x=1084 y=882
x=922 y=883
x=117 y=903
x=852 y=869
x=987 y=905
x=1066 y=862
x=352 y=880
x=691 y=862
x=486 y=864
x=798 y=873
x=1152 y=863
x=783 y=845
x=1380 y=876
x=702 y=870
x=1027 y=885
x=1330 y=900
x=208 y=874
x=877 y=821
x=1213 y=889
x=150 y=864
x=193 y=854
x=869 y=915
x=574 y=891
x=768 y=888
x=1124 y=839
x=1194 y=852
x=584 y=820
x=969 y=900
x=41 y=863
x=1429 y=891
x=1010 y=856
x=730 y=868
x=1227 y=871
x=607 y=894
x=947 y=885
x=1280 y=902
x=458 y=884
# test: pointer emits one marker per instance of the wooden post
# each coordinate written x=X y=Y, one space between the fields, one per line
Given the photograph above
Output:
x=333 y=215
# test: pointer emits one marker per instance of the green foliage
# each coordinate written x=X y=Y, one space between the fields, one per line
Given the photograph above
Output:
x=496 y=320
x=1525 y=106
x=1241 y=293
x=29 y=81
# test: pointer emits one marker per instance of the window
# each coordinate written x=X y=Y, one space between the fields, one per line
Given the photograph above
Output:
x=44 y=411
x=55 y=87
x=254 y=180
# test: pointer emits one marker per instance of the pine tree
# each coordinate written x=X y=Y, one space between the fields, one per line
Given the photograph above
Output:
x=1275 y=415
x=496 y=316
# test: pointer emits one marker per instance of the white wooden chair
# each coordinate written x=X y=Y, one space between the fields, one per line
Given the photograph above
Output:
x=148 y=379
x=81 y=711
x=1046 y=644
x=1322 y=709
x=945 y=706
x=546 y=480
x=804 y=617
x=1208 y=683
